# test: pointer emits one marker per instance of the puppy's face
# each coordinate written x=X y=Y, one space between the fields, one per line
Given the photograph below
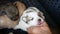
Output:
x=9 y=14
x=30 y=17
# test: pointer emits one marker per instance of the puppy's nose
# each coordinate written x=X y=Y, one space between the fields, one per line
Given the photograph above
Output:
x=39 y=19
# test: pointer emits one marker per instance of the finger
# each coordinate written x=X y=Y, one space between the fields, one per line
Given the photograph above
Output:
x=39 y=30
x=46 y=30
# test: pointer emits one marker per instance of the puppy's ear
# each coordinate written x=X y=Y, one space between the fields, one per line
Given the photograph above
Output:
x=41 y=15
x=21 y=7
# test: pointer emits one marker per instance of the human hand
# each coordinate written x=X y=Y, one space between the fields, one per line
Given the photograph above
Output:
x=43 y=29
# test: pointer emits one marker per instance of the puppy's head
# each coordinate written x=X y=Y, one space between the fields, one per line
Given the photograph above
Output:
x=9 y=15
x=9 y=10
x=30 y=17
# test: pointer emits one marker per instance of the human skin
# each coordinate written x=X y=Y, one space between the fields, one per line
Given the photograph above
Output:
x=43 y=29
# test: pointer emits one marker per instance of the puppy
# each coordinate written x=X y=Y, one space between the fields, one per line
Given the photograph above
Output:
x=30 y=17
x=9 y=14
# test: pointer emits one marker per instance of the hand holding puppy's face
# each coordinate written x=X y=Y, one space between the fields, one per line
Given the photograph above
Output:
x=30 y=17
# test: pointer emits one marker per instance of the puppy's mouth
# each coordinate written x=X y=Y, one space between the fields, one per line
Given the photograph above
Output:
x=39 y=22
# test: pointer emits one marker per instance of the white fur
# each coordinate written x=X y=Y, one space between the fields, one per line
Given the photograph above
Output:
x=34 y=14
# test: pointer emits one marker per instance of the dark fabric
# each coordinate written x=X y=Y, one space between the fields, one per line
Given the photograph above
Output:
x=53 y=8
x=7 y=31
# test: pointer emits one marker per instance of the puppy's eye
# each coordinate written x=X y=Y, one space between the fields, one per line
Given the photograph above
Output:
x=31 y=18
x=2 y=13
x=27 y=19
x=24 y=19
